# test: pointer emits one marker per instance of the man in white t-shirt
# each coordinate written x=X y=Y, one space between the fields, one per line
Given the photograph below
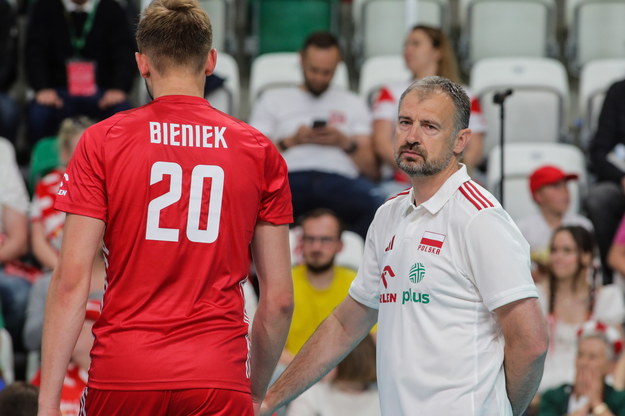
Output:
x=548 y=185
x=323 y=132
x=446 y=273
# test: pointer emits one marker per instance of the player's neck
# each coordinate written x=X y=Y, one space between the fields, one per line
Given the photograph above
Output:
x=178 y=84
x=424 y=187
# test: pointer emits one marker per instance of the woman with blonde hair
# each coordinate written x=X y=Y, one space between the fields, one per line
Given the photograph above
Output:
x=427 y=52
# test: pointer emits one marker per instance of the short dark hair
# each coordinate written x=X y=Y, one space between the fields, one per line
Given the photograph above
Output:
x=429 y=85
x=322 y=212
x=19 y=399
x=321 y=39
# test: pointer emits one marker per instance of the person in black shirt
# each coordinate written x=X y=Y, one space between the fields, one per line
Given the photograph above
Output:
x=605 y=203
x=91 y=39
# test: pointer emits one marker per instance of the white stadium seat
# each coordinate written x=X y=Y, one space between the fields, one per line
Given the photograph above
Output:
x=536 y=110
x=503 y=28
x=380 y=25
x=378 y=71
x=596 y=31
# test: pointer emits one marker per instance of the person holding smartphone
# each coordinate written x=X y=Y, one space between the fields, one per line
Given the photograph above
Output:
x=324 y=134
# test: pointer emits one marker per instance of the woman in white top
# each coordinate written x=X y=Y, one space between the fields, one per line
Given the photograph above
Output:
x=352 y=391
x=571 y=296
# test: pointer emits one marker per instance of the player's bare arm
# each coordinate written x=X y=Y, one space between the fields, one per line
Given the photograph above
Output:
x=331 y=342
x=270 y=250
x=65 y=305
x=526 y=337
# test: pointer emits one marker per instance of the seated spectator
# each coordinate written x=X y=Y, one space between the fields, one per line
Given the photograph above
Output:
x=19 y=399
x=598 y=348
x=548 y=185
x=318 y=284
x=616 y=255
x=79 y=60
x=9 y=110
x=77 y=373
x=46 y=222
x=13 y=240
x=352 y=391
x=571 y=296
x=605 y=203
x=427 y=51
x=324 y=136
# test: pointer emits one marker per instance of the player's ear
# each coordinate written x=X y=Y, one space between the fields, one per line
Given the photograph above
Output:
x=142 y=64
x=211 y=62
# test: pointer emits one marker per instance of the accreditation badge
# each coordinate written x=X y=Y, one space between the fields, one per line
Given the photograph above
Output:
x=81 y=77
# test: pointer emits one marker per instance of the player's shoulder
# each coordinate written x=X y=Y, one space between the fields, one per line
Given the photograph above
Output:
x=395 y=203
x=472 y=199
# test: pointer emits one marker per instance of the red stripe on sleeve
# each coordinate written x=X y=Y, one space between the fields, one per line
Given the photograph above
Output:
x=466 y=195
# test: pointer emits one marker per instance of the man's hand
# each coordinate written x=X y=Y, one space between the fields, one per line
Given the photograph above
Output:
x=111 y=98
x=329 y=136
x=48 y=97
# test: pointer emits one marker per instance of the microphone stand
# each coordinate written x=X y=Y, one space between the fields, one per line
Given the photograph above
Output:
x=499 y=98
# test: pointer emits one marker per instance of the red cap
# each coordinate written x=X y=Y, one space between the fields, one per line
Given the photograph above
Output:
x=547 y=175
x=93 y=309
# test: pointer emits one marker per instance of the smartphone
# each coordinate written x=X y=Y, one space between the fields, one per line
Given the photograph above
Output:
x=319 y=124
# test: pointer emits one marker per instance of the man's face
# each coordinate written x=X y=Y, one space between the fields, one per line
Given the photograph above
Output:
x=424 y=137
x=554 y=197
x=592 y=356
x=318 y=66
x=320 y=242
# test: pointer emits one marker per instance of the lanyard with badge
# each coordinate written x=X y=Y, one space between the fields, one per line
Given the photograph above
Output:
x=81 y=72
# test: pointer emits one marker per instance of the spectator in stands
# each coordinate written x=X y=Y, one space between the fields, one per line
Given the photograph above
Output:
x=605 y=203
x=616 y=255
x=79 y=60
x=9 y=111
x=19 y=399
x=352 y=391
x=318 y=285
x=324 y=136
x=77 y=372
x=548 y=185
x=427 y=51
x=46 y=222
x=13 y=240
x=571 y=296
x=47 y=233
x=598 y=348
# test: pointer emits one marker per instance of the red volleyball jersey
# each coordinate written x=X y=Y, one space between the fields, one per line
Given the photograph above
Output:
x=180 y=187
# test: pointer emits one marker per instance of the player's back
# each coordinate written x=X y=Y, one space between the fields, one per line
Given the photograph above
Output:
x=184 y=186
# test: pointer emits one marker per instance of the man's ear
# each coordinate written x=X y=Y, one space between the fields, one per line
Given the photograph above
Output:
x=462 y=140
x=211 y=62
x=142 y=64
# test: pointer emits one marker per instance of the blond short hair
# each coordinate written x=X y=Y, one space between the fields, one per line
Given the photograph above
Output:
x=175 y=33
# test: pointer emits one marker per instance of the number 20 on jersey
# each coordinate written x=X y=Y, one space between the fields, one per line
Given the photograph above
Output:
x=200 y=172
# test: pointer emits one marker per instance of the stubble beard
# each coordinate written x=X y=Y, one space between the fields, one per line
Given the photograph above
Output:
x=425 y=167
